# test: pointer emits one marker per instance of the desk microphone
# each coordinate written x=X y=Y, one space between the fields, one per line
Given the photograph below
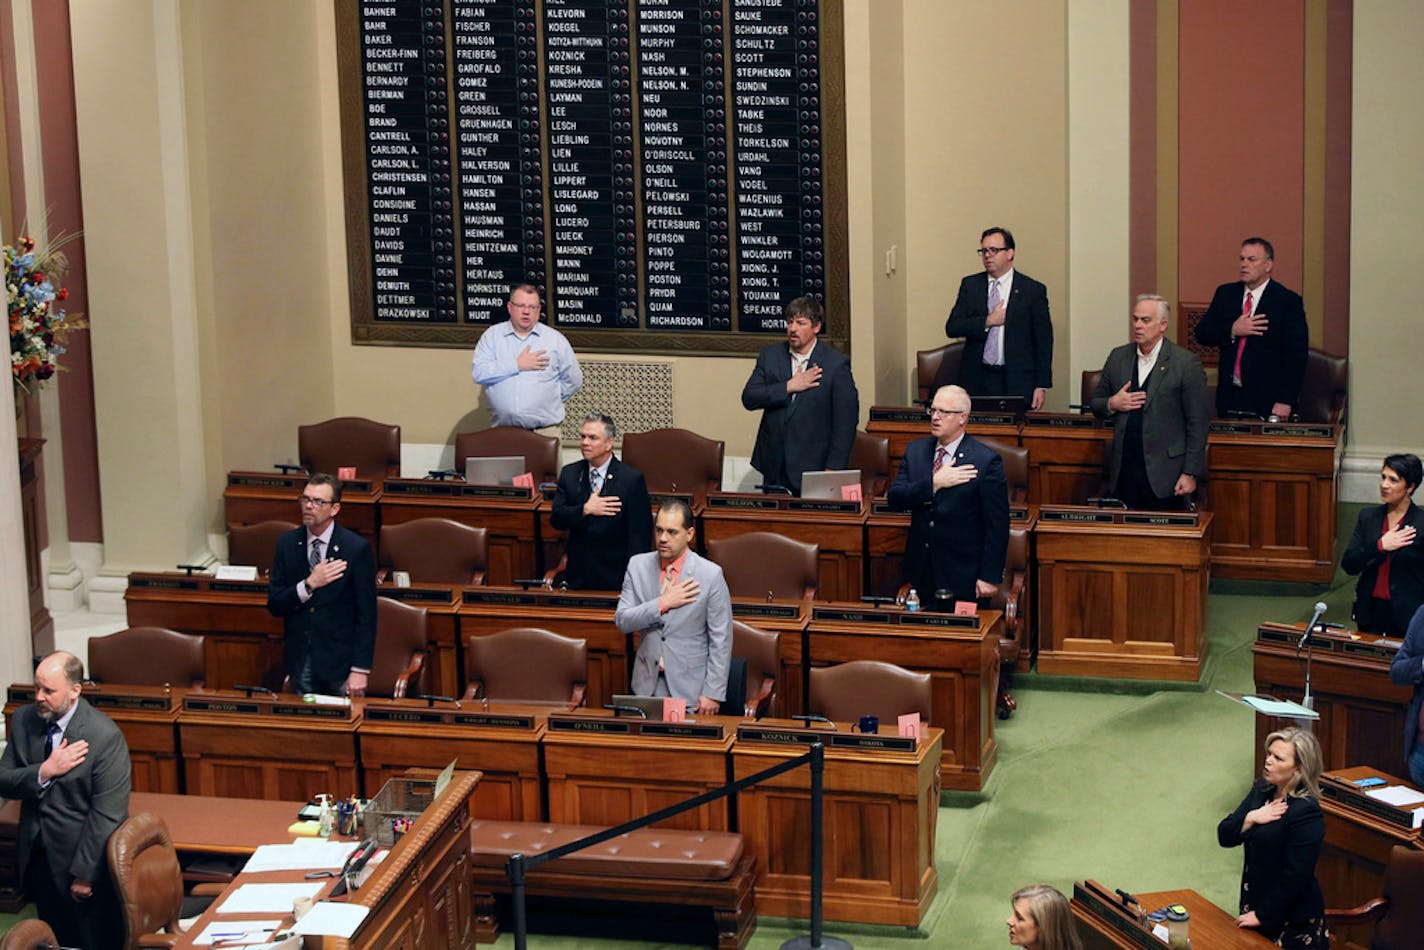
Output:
x=770 y=489
x=1243 y=414
x=810 y=719
x=440 y=474
x=621 y=708
x=190 y=568
x=249 y=690
x=287 y=468
x=1310 y=627
x=431 y=699
x=529 y=583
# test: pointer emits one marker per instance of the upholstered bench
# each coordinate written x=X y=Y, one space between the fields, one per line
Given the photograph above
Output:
x=652 y=865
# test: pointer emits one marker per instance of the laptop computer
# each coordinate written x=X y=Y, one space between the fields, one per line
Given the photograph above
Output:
x=828 y=484
x=494 y=469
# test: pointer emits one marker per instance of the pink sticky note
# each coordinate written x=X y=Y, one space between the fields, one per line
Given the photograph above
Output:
x=850 y=492
x=524 y=481
x=966 y=608
x=910 y=726
x=674 y=710
x=346 y=473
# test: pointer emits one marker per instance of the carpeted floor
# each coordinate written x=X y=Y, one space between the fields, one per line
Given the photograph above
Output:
x=1124 y=783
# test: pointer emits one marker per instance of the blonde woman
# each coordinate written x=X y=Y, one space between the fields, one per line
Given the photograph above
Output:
x=1281 y=825
x=1041 y=920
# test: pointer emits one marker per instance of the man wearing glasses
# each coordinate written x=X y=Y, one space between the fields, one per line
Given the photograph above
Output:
x=527 y=368
x=958 y=499
x=323 y=585
x=1003 y=317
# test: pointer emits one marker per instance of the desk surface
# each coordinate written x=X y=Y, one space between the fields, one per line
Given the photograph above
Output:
x=1210 y=925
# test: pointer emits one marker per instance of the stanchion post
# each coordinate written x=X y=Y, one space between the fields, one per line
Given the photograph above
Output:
x=516 y=897
x=817 y=940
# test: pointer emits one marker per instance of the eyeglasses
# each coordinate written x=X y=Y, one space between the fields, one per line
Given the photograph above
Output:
x=310 y=502
x=990 y=251
x=935 y=412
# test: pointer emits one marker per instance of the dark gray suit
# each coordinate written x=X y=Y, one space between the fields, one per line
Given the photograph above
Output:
x=809 y=433
x=1174 y=418
x=694 y=640
x=73 y=817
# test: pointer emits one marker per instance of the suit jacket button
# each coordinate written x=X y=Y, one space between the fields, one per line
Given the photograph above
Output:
x=931 y=524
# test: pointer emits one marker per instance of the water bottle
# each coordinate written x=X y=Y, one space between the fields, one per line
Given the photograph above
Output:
x=912 y=602
x=326 y=820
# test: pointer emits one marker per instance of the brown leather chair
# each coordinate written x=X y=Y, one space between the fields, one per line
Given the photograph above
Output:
x=761 y=649
x=937 y=367
x=1015 y=459
x=29 y=934
x=1324 y=391
x=763 y=564
x=847 y=691
x=372 y=447
x=1087 y=388
x=1398 y=915
x=871 y=454
x=434 y=551
x=1013 y=598
x=527 y=665
x=255 y=544
x=402 y=642
x=675 y=460
x=144 y=866
x=148 y=656
x=540 y=452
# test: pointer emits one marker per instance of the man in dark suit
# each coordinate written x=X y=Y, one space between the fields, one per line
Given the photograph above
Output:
x=323 y=584
x=958 y=499
x=604 y=506
x=1008 y=334
x=1154 y=391
x=68 y=765
x=1260 y=327
x=810 y=406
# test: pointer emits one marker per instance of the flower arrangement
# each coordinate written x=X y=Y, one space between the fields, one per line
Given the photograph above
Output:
x=38 y=323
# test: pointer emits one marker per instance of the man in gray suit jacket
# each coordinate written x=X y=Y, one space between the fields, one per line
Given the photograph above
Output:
x=1154 y=391
x=68 y=765
x=679 y=603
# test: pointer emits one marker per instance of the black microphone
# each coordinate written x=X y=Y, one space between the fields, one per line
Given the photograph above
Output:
x=1310 y=627
x=431 y=699
x=249 y=690
x=1108 y=501
x=770 y=489
x=872 y=599
x=1243 y=414
x=286 y=468
x=190 y=568
x=440 y=474
x=621 y=708
x=532 y=582
x=810 y=719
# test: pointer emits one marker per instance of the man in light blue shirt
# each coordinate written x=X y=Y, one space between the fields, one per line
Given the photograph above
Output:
x=527 y=368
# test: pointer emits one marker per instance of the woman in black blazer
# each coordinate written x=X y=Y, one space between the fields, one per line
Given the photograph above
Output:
x=1389 y=541
x=1280 y=823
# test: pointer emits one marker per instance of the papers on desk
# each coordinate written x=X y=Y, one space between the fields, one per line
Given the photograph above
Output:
x=330 y=919
x=1400 y=796
x=306 y=855
x=237 y=932
x=1279 y=707
x=268 y=898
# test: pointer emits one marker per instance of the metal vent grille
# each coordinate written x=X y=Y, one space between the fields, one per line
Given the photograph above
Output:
x=637 y=395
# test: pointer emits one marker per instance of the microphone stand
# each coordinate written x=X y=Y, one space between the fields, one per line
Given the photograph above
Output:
x=1308 y=641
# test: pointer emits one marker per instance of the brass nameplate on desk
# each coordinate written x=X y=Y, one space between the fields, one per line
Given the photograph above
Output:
x=1035 y=420
x=870 y=740
x=491 y=720
x=237 y=587
x=101 y=700
x=497 y=491
x=682 y=730
x=757 y=502
x=1183 y=519
x=422 y=595
x=1347 y=794
x=766 y=611
x=400 y=714
x=267 y=480
x=166 y=581
x=991 y=419
x=310 y=711
x=827 y=737
x=881 y=507
x=599 y=724
x=1018 y=512
x=1075 y=516
x=1293 y=430
x=897 y=414
x=1277 y=635
x=358 y=486
x=901 y=618
x=840 y=506
x=244 y=707
x=425 y=487
x=1380 y=649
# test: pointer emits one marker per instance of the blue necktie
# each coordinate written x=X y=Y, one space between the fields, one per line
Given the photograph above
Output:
x=50 y=737
x=315 y=558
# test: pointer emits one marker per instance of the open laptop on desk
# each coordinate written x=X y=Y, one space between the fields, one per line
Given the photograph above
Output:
x=828 y=484
x=493 y=469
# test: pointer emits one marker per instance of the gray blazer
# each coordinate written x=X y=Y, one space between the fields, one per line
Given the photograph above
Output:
x=1174 y=418
x=80 y=809
x=694 y=640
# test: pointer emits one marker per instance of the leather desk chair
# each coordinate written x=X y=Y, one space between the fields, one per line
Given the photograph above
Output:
x=148 y=656
x=144 y=866
x=1087 y=388
x=1325 y=389
x=763 y=564
x=847 y=691
x=1012 y=598
x=372 y=447
x=1015 y=458
x=402 y=639
x=541 y=452
x=1398 y=915
x=434 y=551
x=675 y=460
x=937 y=367
x=760 y=651
x=256 y=544
x=871 y=454
x=29 y=934
x=527 y=665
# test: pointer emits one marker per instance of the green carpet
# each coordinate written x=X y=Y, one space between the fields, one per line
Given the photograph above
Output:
x=1124 y=787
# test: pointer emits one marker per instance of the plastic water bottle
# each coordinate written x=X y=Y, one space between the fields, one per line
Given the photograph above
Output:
x=912 y=602
x=326 y=819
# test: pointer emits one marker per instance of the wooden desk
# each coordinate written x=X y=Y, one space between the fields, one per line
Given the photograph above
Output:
x=1361 y=711
x=609 y=777
x=443 y=674
x=1067 y=455
x=1210 y=926
x=1359 y=833
x=244 y=641
x=503 y=740
x=252 y=497
x=961 y=660
x=904 y=424
x=837 y=527
x=146 y=715
x=266 y=748
x=881 y=810
x=508 y=515
x=586 y=615
x=1273 y=489
x=1122 y=593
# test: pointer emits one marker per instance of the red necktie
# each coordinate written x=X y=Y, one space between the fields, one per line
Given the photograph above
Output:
x=1241 y=343
x=939 y=459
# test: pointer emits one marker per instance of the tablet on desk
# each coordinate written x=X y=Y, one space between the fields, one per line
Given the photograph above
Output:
x=652 y=706
x=493 y=469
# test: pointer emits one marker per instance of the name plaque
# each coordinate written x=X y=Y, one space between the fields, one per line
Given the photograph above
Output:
x=823 y=504
x=1078 y=516
x=418 y=595
x=827 y=737
x=1338 y=791
x=1290 y=430
x=622 y=727
x=993 y=419
x=264 y=480
x=101 y=700
x=279 y=708
x=310 y=711
x=766 y=611
x=241 y=707
x=1054 y=420
x=898 y=414
x=1163 y=519
x=629 y=726
x=238 y=587
x=488 y=720
x=20 y=694
x=754 y=502
x=166 y=581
